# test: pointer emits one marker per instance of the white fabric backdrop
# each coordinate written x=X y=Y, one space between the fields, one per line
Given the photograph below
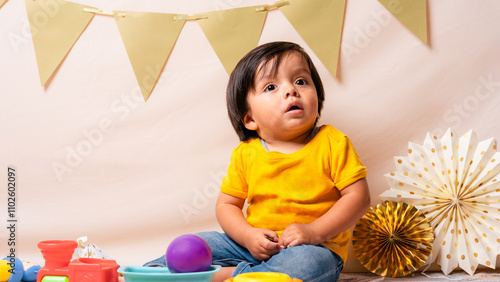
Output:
x=138 y=173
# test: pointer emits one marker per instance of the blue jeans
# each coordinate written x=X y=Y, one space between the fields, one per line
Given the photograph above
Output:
x=306 y=262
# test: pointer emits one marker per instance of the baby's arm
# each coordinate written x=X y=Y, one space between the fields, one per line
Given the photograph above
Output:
x=257 y=240
x=352 y=205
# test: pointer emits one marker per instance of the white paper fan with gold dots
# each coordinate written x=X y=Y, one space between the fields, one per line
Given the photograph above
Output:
x=455 y=182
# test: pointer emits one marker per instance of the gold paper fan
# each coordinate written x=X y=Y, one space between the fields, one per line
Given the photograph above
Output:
x=392 y=239
x=455 y=182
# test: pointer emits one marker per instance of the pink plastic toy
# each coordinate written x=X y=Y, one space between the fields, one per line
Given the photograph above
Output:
x=58 y=268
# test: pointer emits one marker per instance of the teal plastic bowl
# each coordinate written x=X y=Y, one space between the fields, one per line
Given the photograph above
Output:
x=152 y=274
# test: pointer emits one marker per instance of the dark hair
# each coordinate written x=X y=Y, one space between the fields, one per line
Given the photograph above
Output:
x=242 y=81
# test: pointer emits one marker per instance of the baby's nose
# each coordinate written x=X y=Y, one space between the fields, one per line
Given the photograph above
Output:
x=290 y=91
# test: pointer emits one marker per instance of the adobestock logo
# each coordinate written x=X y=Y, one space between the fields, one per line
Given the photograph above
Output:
x=40 y=19
x=76 y=153
x=364 y=36
x=120 y=109
x=455 y=116
x=202 y=197
x=470 y=104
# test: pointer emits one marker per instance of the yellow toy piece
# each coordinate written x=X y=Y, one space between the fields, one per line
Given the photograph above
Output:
x=4 y=270
x=262 y=277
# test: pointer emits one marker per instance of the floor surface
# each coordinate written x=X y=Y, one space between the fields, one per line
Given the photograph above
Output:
x=427 y=276
x=418 y=276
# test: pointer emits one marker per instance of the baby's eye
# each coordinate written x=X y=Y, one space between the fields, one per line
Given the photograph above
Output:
x=301 y=82
x=270 y=87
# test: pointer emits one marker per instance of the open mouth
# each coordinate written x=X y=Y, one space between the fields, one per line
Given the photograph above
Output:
x=293 y=108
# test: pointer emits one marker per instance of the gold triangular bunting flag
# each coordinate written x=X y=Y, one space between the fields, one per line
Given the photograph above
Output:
x=319 y=23
x=149 y=38
x=411 y=13
x=232 y=33
x=55 y=27
x=2 y=2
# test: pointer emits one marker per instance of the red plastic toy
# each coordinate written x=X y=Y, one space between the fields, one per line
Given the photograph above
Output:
x=59 y=267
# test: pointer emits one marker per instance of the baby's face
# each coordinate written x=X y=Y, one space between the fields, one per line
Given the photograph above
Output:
x=284 y=104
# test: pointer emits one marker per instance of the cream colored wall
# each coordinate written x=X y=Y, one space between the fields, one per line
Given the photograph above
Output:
x=92 y=158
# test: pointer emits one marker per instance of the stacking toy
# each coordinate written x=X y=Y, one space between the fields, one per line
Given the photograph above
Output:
x=188 y=253
x=59 y=267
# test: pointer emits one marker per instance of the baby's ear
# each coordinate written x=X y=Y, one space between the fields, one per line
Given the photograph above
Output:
x=249 y=122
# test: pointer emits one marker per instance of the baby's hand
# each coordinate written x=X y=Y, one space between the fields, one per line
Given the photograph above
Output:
x=298 y=234
x=262 y=243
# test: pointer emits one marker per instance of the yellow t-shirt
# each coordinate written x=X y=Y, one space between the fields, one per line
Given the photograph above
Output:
x=282 y=189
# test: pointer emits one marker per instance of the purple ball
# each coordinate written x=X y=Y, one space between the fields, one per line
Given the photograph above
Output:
x=188 y=253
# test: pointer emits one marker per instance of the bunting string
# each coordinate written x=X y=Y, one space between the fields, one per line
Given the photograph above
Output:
x=150 y=37
x=104 y=13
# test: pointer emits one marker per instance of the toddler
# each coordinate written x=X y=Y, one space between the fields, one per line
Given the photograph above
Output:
x=304 y=185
